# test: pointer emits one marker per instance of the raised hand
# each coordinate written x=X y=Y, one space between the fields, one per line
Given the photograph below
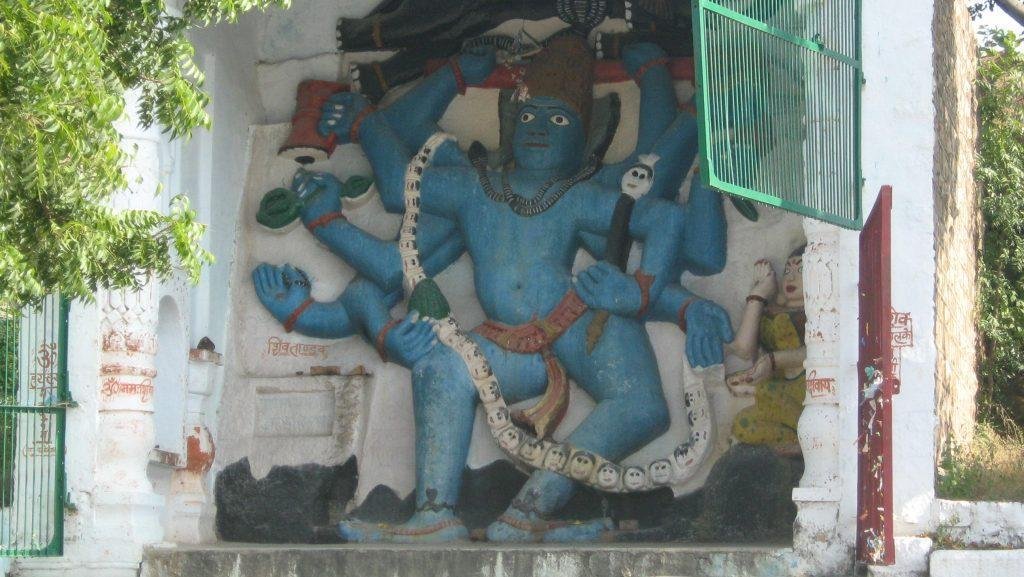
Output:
x=477 y=64
x=707 y=328
x=765 y=284
x=603 y=286
x=410 y=340
x=636 y=55
x=320 y=193
x=339 y=113
x=281 y=289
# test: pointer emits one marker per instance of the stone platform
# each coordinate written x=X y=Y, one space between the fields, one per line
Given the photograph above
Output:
x=465 y=560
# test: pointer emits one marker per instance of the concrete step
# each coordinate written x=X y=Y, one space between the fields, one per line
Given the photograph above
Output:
x=465 y=560
x=977 y=563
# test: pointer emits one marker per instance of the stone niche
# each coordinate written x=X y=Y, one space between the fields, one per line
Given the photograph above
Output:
x=350 y=438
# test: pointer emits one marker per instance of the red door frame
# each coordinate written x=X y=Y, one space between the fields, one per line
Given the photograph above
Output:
x=876 y=386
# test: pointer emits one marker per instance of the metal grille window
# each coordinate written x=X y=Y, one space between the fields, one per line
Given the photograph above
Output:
x=778 y=85
x=33 y=360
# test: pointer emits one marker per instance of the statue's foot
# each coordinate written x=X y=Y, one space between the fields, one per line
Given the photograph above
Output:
x=580 y=532
x=421 y=528
x=517 y=527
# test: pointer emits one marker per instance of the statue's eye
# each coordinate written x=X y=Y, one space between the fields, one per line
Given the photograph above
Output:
x=527 y=117
x=560 y=120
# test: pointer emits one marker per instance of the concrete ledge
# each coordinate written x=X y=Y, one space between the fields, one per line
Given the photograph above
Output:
x=465 y=559
x=978 y=563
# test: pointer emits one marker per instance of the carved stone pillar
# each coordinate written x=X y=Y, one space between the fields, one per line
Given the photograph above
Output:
x=815 y=537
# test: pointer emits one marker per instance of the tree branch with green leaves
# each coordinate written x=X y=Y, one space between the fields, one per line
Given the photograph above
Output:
x=65 y=67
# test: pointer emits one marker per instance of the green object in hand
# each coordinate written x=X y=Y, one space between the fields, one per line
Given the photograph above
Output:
x=279 y=208
x=427 y=300
x=355 y=186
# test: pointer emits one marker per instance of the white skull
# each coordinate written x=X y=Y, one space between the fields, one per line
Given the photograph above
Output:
x=634 y=478
x=509 y=439
x=531 y=451
x=489 y=391
x=497 y=417
x=639 y=178
x=608 y=476
x=661 y=472
x=681 y=453
x=555 y=459
x=582 y=465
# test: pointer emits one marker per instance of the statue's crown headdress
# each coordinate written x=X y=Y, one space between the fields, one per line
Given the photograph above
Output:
x=564 y=69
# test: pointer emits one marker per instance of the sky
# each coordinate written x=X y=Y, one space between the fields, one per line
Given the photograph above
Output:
x=997 y=18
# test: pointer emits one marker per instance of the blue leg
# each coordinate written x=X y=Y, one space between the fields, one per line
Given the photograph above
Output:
x=445 y=401
x=621 y=375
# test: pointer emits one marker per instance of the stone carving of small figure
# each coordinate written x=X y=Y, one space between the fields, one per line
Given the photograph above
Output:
x=776 y=379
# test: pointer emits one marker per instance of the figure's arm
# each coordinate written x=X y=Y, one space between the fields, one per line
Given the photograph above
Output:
x=414 y=115
x=764 y=287
x=704 y=239
x=660 y=224
x=646 y=63
x=705 y=324
x=285 y=292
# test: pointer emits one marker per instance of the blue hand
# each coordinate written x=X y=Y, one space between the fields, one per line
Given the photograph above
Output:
x=707 y=327
x=338 y=114
x=477 y=64
x=605 y=287
x=410 y=340
x=636 y=55
x=319 y=191
x=281 y=289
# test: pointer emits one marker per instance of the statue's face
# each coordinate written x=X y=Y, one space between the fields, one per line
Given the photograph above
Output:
x=582 y=465
x=549 y=135
x=608 y=476
x=661 y=472
x=793 y=281
x=634 y=478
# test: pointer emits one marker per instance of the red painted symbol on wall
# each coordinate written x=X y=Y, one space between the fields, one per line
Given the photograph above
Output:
x=902 y=338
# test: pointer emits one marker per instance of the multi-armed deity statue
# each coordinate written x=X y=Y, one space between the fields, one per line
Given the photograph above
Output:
x=522 y=226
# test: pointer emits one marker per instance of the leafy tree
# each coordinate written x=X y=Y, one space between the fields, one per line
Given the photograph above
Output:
x=1014 y=8
x=1000 y=174
x=65 y=66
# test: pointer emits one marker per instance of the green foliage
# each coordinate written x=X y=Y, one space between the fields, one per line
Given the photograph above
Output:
x=990 y=469
x=1000 y=174
x=65 y=66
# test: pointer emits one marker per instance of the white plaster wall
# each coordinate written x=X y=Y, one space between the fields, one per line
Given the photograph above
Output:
x=898 y=142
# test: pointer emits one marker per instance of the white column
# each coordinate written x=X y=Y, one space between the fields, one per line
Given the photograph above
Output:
x=816 y=539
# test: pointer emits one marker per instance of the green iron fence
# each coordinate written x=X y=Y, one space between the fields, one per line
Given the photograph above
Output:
x=33 y=358
x=778 y=93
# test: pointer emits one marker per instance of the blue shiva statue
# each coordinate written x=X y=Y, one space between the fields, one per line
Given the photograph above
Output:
x=522 y=227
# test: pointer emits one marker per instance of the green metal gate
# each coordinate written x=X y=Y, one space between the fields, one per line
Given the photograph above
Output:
x=33 y=358
x=778 y=91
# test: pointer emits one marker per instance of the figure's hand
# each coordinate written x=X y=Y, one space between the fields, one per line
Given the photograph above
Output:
x=707 y=326
x=765 y=284
x=605 y=287
x=320 y=193
x=338 y=114
x=410 y=340
x=281 y=289
x=636 y=55
x=477 y=64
